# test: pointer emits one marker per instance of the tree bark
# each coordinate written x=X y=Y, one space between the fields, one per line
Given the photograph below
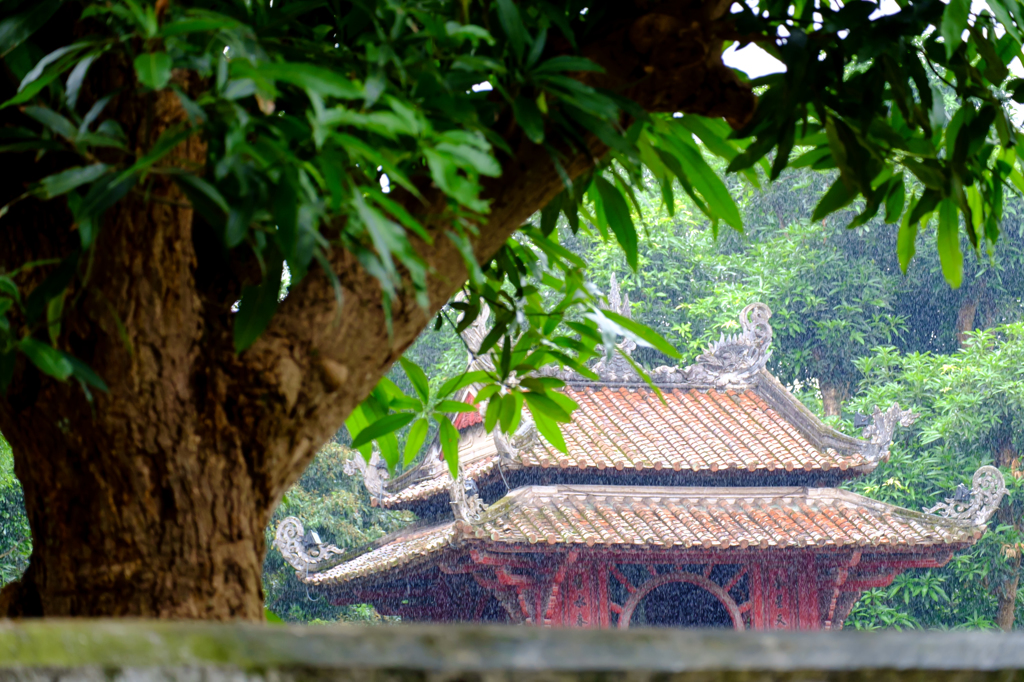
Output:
x=1006 y=593
x=965 y=320
x=832 y=397
x=151 y=500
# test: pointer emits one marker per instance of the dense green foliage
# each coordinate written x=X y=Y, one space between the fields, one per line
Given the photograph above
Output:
x=15 y=539
x=314 y=111
x=972 y=413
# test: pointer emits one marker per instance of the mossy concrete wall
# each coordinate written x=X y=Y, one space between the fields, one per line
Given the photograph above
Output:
x=146 y=651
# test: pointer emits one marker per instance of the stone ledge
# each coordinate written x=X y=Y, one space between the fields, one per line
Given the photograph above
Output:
x=209 y=652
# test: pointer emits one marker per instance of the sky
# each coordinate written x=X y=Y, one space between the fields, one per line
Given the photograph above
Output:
x=755 y=62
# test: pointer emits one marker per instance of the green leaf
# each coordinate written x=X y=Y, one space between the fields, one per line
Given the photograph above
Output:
x=258 y=305
x=46 y=71
x=616 y=211
x=417 y=377
x=707 y=182
x=512 y=23
x=454 y=406
x=16 y=29
x=205 y=199
x=74 y=83
x=837 y=196
x=529 y=118
x=54 y=121
x=894 y=202
x=541 y=403
x=382 y=427
x=643 y=333
x=317 y=79
x=153 y=69
x=954 y=22
x=950 y=257
x=272 y=617
x=461 y=381
x=567 y=62
x=449 y=437
x=413 y=443
x=494 y=406
x=85 y=374
x=48 y=359
x=551 y=431
x=65 y=181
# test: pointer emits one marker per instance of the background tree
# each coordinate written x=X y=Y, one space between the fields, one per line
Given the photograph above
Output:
x=971 y=404
x=15 y=541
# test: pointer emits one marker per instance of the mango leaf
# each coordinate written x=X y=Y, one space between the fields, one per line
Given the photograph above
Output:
x=461 y=381
x=567 y=63
x=417 y=377
x=15 y=29
x=48 y=359
x=950 y=257
x=382 y=427
x=540 y=403
x=454 y=406
x=205 y=199
x=153 y=69
x=449 y=437
x=414 y=441
x=643 y=333
x=529 y=118
x=258 y=305
x=837 y=196
x=493 y=413
x=620 y=221
x=316 y=79
x=954 y=22
x=85 y=374
x=61 y=183
x=551 y=431
x=512 y=23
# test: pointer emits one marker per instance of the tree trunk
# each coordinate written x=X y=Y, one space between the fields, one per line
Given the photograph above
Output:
x=965 y=320
x=1008 y=513
x=832 y=397
x=152 y=498
x=1007 y=595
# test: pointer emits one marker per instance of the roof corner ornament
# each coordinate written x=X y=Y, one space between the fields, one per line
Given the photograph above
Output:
x=733 y=361
x=303 y=550
x=883 y=427
x=978 y=504
x=465 y=499
x=525 y=439
x=374 y=472
x=615 y=367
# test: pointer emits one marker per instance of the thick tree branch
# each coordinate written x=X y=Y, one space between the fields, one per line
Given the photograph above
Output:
x=319 y=368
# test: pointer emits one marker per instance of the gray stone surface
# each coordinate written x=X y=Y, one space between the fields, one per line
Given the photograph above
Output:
x=141 y=651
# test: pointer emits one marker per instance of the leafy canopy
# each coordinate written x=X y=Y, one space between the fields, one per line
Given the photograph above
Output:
x=328 y=122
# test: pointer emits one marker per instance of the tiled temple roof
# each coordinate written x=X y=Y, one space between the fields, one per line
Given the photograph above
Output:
x=713 y=430
x=631 y=517
x=760 y=428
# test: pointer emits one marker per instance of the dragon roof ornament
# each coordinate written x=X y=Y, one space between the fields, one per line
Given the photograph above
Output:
x=465 y=499
x=883 y=427
x=374 y=473
x=978 y=504
x=303 y=550
x=732 y=362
